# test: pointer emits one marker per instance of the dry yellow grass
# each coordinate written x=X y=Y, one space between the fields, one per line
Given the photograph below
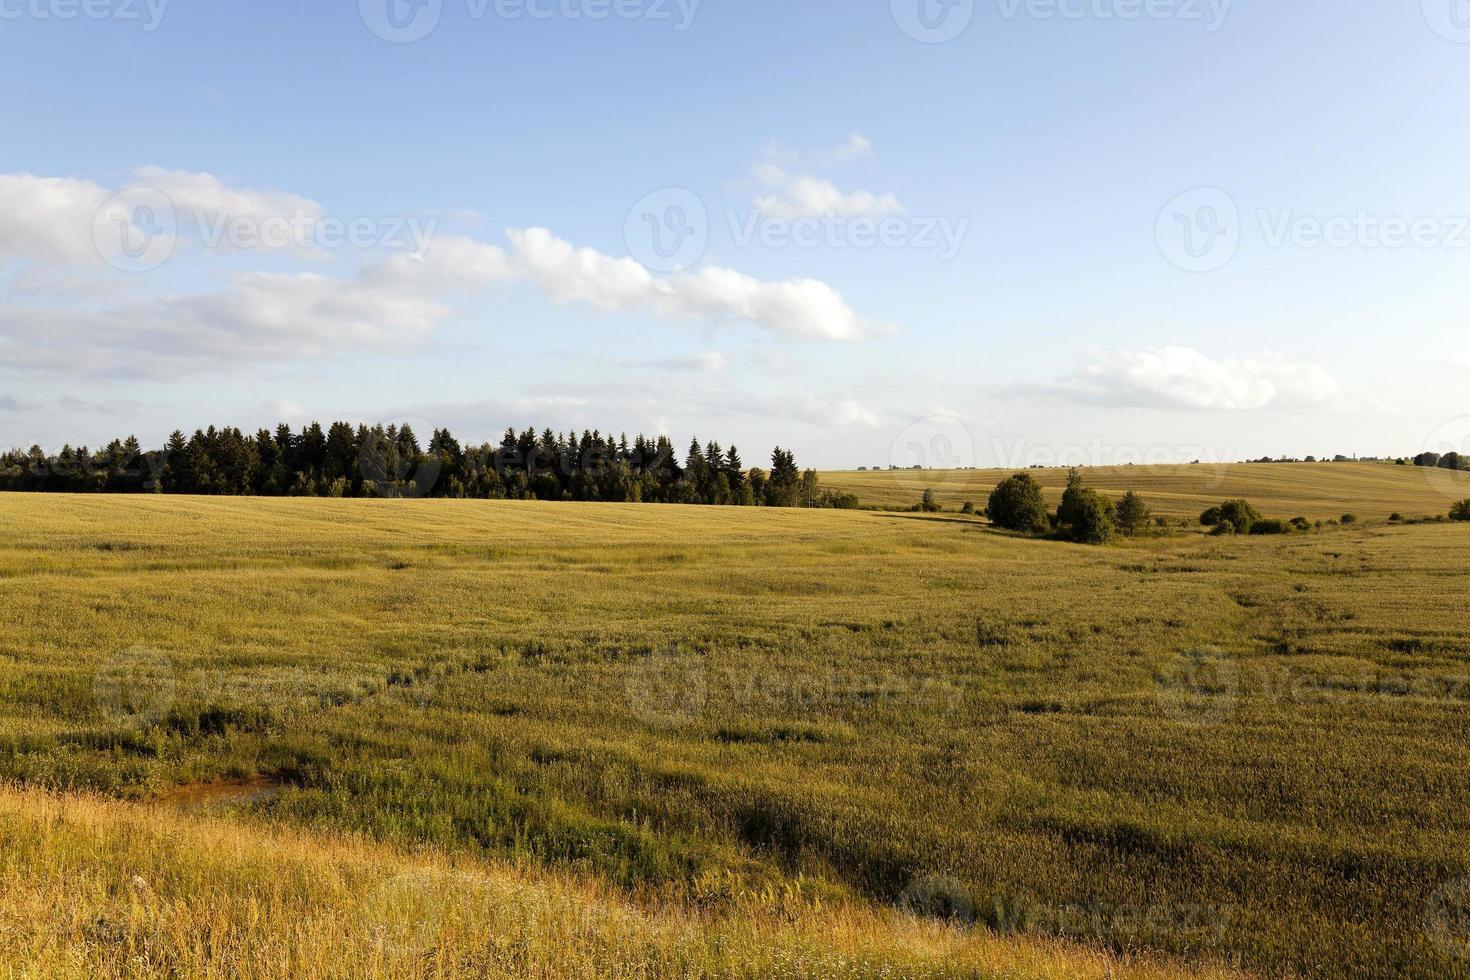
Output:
x=1318 y=491
x=91 y=888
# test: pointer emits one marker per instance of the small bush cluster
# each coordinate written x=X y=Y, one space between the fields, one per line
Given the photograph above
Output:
x=1084 y=516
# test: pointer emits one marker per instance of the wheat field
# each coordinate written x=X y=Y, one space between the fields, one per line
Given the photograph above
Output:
x=683 y=741
x=1317 y=491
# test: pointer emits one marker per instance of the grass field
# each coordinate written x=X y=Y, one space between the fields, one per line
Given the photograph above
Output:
x=760 y=733
x=1318 y=491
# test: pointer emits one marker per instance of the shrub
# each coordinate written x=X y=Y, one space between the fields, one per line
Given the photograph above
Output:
x=929 y=505
x=1093 y=518
x=1132 y=514
x=1016 y=504
x=969 y=507
x=1349 y=518
x=1270 y=526
x=1395 y=517
x=1301 y=523
x=1461 y=511
x=1237 y=514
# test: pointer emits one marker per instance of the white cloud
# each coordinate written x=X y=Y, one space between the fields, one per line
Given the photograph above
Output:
x=1181 y=377
x=840 y=411
x=704 y=361
x=49 y=219
x=203 y=194
x=805 y=196
x=79 y=317
x=855 y=147
x=799 y=308
x=790 y=188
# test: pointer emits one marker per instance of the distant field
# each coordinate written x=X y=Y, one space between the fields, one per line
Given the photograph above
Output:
x=1317 y=491
x=1252 y=750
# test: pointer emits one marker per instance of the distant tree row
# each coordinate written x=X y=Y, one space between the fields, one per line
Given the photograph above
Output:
x=346 y=461
x=1449 y=461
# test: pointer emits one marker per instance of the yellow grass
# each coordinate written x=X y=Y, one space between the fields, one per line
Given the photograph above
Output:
x=1317 y=491
x=91 y=888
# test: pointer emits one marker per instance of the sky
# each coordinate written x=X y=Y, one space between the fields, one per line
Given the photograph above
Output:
x=891 y=232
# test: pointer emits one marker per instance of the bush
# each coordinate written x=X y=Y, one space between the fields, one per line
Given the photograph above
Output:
x=929 y=505
x=1016 y=504
x=1461 y=511
x=1093 y=518
x=1349 y=518
x=1395 y=517
x=1084 y=515
x=1270 y=526
x=1133 y=514
x=1301 y=523
x=969 y=507
x=1236 y=514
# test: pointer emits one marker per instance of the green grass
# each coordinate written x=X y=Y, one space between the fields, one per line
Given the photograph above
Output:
x=1250 y=749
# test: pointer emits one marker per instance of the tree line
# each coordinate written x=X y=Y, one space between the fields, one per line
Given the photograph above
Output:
x=342 y=460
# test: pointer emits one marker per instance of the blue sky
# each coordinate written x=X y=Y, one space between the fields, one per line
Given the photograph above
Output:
x=960 y=251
